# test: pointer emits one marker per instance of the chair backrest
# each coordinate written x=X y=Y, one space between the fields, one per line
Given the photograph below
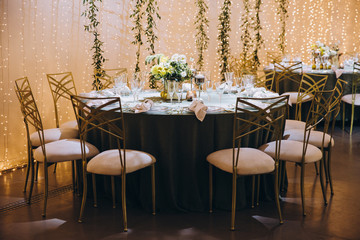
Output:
x=309 y=84
x=273 y=57
x=29 y=109
x=104 y=114
x=104 y=78
x=355 y=84
x=252 y=116
x=265 y=79
x=62 y=85
x=288 y=73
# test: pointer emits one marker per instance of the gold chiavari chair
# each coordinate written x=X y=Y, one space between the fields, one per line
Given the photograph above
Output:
x=287 y=76
x=108 y=118
x=249 y=119
x=303 y=152
x=352 y=99
x=33 y=139
x=273 y=57
x=104 y=78
x=265 y=79
x=51 y=152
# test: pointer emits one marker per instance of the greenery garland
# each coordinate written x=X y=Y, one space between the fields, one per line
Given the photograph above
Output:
x=98 y=59
x=223 y=37
x=201 y=24
x=152 y=12
x=137 y=15
x=247 y=42
x=258 y=38
x=283 y=14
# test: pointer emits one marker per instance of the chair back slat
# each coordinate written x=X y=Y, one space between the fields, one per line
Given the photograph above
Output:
x=265 y=79
x=252 y=116
x=289 y=72
x=104 y=78
x=62 y=85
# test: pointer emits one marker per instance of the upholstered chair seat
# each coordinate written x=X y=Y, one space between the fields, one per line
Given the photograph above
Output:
x=70 y=124
x=53 y=134
x=316 y=137
x=294 y=124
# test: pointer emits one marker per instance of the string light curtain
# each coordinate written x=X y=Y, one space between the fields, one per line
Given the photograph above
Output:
x=43 y=36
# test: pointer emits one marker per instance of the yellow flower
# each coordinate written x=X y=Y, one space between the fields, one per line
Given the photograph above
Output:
x=155 y=70
x=164 y=59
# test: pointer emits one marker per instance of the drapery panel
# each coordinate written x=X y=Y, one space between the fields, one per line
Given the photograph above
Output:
x=43 y=36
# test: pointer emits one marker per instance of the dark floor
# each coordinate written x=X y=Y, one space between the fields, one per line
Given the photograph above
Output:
x=339 y=220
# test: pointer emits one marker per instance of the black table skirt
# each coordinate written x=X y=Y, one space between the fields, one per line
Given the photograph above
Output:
x=180 y=143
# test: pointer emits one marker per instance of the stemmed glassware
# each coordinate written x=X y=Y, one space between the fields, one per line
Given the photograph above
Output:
x=229 y=78
x=120 y=82
x=179 y=91
x=137 y=84
x=200 y=78
x=220 y=88
x=171 y=88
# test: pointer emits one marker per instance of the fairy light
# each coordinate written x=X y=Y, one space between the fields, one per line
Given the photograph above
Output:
x=47 y=38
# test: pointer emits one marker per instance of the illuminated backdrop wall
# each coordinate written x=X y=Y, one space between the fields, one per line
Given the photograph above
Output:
x=43 y=36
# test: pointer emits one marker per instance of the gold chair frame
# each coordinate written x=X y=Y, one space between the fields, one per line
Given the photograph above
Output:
x=104 y=78
x=355 y=85
x=247 y=120
x=90 y=119
x=273 y=57
x=265 y=79
x=289 y=71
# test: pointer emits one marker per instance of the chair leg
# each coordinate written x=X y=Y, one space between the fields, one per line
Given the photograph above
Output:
x=343 y=117
x=28 y=168
x=302 y=188
x=253 y=191
x=316 y=168
x=37 y=171
x=93 y=176
x=329 y=170
x=74 y=179
x=283 y=176
x=123 y=199
x=113 y=191
x=46 y=191
x=352 y=118
x=31 y=180
x=153 y=188
x=83 y=202
x=325 y=167
x=258 y=190
x=277 y=195
x=322 y=180
x=233 y=207
x=55 y=165
x=210 y=188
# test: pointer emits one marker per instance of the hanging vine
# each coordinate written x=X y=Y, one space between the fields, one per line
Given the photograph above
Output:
x=152 y=13
x=258 y=38
x=224 y=29
x=202 y=25
x=283 y=14
x=90 y=13
x=247 y=42
x=137 y=17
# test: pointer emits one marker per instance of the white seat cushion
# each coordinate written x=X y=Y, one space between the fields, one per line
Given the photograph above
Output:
x=293 y=97
x=64 y=150
x=54 y=134
x=108 y=162
x=348 y=99
x=251 y=161
x=292 y=151
x=294 y=124
x=314 y=139
x=70 y=124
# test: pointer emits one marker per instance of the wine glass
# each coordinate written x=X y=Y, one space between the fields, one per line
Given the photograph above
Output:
x=137 y=84
x=229 y=78
x=171 y=88
x=179 y=91
x=239 y=84
x=220 y=88
x=209 y=86
x=120 y=82
x=200 y=78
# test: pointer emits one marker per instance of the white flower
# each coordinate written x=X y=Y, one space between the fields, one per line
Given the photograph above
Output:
x=175 y=57
x=317 y=51
x=183 y=74
x=182 y=59
x=333 y=53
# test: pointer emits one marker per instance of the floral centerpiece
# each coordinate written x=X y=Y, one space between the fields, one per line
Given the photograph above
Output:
x=168 y=69
x=324 y=56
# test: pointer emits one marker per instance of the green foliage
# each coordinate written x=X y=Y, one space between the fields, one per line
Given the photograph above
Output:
x=246 y=27
x=283 y=14
x=223 y=37
x=137 y=16
x=201 y=24
x=258 y=38
x=98 y=59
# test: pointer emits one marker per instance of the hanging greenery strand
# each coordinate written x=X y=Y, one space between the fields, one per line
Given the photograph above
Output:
x=90 y=13
x=258 y=38
x=283 y=14
x=137 y=16
x=223 y=37
x=247 y=42
x=152 y=13
x=202 y=25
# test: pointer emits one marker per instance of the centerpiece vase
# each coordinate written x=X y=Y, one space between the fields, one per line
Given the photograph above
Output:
x=164 y=93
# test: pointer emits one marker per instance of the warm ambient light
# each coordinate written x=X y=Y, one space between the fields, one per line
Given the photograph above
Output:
x=39 y=38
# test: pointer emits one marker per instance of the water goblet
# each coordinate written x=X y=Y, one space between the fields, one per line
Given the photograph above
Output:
x=120 y=82
x=200 y=79
x=229 y=79
x=171 y=88
x=209 y=86
x=220 y=88
x=179 y=91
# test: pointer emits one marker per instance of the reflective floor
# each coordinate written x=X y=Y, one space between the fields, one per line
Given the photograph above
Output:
x=339 y=220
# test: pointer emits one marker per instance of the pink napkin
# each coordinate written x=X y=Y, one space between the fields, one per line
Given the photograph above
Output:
x=144 y=106
x=199 y=109
x=338 y=71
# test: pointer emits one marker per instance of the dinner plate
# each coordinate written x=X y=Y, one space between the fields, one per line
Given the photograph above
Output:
x=215 y=109
x=159 y=108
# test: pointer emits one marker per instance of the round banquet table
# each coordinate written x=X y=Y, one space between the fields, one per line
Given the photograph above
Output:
x=180 y=143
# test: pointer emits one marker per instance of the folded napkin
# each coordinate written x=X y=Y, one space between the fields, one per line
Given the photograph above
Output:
x=144 y=106
x=199 y=109
x=338 y=72
x=96 y=102
x=257 y=103
x=91 y=94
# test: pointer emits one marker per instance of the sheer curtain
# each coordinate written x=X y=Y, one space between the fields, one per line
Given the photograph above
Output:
x=43 y=36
